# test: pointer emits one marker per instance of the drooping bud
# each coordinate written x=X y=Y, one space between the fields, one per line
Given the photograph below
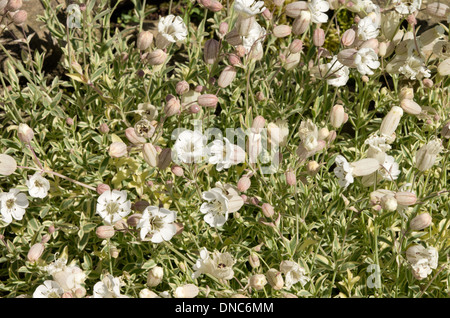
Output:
x=105 y=231
x=178 y=171
x=296 y=46
x=282 y=31
x=348 y=37
x=258 y=281
x=420 y=222
x=291 y=178
x=301 y=23
x=390 y=121
x=155 y=276
x=426 y=156
x=118 y=149
x=211 y=51
x=150 y=154
x=275 y=279
x=405 y=198
x=243 y=184
x=25 y=133
x=258 y=124
x=267 y=210
x=365 y=166
x=165 y=158
x=35 y=252
x=104 y=129
x=102 y=188
x=410 y=107
x=389 y=203
x=347 y=57
x=337 y=116
x=253 y=259
x=172 y=107
x=133 y=220
x=438 y=10
x=144 y=40
x=319 y=37
x=294 y=9
x=227 y=76
x=157 y=57
x=13 y=5
x=182 y=87
x=20 y=17
x=208 y=100
x=445 y=131
x=406 y=93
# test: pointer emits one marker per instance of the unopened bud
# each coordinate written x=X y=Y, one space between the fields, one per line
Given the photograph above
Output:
x=438 y=10
x=420 y=222
x=312 y=167
x=348 y=37
x=20 y=17
x=105 y=231
x=182 y=87
x=243 y=184
x=157 y=57
x=323 y=133
x=215 y=6
x=144 y=40
x=275 y=279
x=7 y=165
x=295 y=9
x=132 y=137
x=102 y=188
x=150 y=154
x=337 y=116
x=155 y=276
x=301 y=23
x=291 y=179
x=365 y=166
x=211 y=51
x=234 y=59
x=267 y=210
x=226 y=76
x=347 y=57
x=165 y=158
x=223 y=28
x=13 y=5
x=133 y=220
x=389 y=203
x=390 y=121
x=445 y=131
x=258 y=124
x=258 y=281
x=25 y=133
x=410 y=107
x=208 y=100
x=406 y=93
x=172 y=107
x=118 y=149
x=319 y=37
x=281 y=31
x=104 y=129
x=253 y=259
x=178 y=171
x=35 y=252
x=296 y=46
x=428 y=83
x=267 y=14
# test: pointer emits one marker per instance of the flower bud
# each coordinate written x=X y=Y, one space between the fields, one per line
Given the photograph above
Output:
x=194 y=109
x=69 y=121
x=371 y=44
x=157 y=57
x=227 y=76
x=67 y=295
x=165 y=158
x=348 y=37
x=186 y=291
x=267 y=210
x=444 y=67
x=243 y=184
x=150 y=154
x=211 y=51
x=35 y=252
x=294 y=9
x=215 y=6
x=208 y=100
x=405 y=198
x=45 y=238
x=132 y=137
x=178 y=171
x=117 y=149
x=445 y=131
x=281 y=31
x=114 y=252
x=25 y=133
x=428 y=83
x=182 y=87
x=7 y=165
x=410 y=107
x=13 y=5
x=420 y=222
x=337 y=116
x=240 y=51
x=291 y=178
x=382 y=48
x=278 y=3
x=144 y=40
x=301 y=23
x=391 y=121
x=389 y=203
x=292 y=61
x=296 y=46
x=105 y=231
x=223 y=28
x=258 y=124
x=323 y=133
x=20 y=17
x=253 y=259
x=319 y=37
x=275 y=279
x=155 y=276
x=365 y=166
x=104 y=129
x=80 y=292
x=258 y=281
x=267 y=14
x=102 y=188
x=233 y=38
x=172 y=107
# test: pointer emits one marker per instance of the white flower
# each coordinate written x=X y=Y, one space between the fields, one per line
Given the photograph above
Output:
x=216 y=209
x=318 y=9
x=108 y=287
x=389 y=170
x=186 y=291
x=13 y=205
x=414 y=68
x=363 y=6
x=422 y=260
x=294 y=273
x=219 y=265
x=407 y=7
x=223 y=154
x=49 y=289
x=339 y=73
x=112 y=205
x=343 y=171
x=366 y=61
x=368 y=28
x=38 y=186
x=158 y=223
x=378 y=147
x=68 y=277
x=248 y=8
x=172 y=28
x=256 y=34
x=189 y=147
x=309 y=134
